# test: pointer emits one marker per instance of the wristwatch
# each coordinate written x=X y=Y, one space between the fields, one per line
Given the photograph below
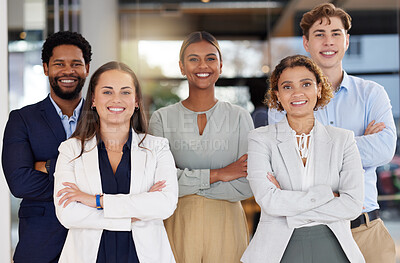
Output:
x=98 y=204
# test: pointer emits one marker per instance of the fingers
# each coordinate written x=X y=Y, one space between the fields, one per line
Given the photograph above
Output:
x=65 y=190
x=72 y=185
x=243 y=158
x=69 y=197
x=378 y=127
x=242 y=174
x=158 y=186
x=370 y=124
x=68 y=202
x=69 y=194
x=373 y=128
x=273 y=180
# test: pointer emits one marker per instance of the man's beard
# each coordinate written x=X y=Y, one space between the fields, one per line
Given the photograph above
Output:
x=67 y=95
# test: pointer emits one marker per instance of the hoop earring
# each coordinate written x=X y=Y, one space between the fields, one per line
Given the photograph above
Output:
x=136 y=108
x=93 y=108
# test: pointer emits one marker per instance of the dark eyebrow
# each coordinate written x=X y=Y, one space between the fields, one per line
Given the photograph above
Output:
x=323 y=31
x=306 y=79
x=195 y=55
x=287 y=82
x=319 y=31
x=108 y=87
x=63 y=60
x=58 y=60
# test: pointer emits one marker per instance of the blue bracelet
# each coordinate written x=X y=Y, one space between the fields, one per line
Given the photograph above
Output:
x=98 y=205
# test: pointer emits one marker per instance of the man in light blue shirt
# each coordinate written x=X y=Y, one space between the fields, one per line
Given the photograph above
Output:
x=359 y=105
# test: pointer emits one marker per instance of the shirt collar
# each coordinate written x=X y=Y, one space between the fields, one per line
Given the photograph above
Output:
x=76 y=113
x=345 y=82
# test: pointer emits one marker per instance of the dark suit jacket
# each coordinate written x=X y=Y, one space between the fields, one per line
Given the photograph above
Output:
x=32 y=134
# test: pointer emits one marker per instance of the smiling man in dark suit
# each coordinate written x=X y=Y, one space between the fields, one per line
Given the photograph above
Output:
x=30 y=147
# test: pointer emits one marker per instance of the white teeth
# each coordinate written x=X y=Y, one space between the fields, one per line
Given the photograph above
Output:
x=116 y=109
x=202 y=75
x=328 y=53
x=298 y=102
x=67 y=81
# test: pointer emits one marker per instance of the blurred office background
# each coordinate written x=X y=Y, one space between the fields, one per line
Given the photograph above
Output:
x=254 y=35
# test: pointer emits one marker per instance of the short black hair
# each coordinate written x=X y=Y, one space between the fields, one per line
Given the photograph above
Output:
x=66 y=38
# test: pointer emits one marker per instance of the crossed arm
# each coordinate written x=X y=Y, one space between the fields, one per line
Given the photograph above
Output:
x=319 y=203
x=25 y=179
x=75 y=206
x=72 y=193
x=227 y=183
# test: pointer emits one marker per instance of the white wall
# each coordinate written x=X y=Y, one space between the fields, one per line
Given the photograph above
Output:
x=5 y=209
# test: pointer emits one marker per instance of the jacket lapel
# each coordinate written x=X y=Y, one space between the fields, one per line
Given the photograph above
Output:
x=50 y=115
x=90 y=162
x=323 y=150
x=91 y=165
x=138 y=163
x=289 y=154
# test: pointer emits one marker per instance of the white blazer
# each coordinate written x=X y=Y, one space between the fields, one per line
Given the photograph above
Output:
x=338 y=168
x=152 y=163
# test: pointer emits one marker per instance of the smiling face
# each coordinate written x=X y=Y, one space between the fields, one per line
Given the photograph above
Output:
x=327 y=43
x=67 y=71
x=114 y=98
x=297 y=92
x=201 y=65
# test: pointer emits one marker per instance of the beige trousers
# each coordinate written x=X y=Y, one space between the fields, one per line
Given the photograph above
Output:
x=375 y=242
x=207 y=230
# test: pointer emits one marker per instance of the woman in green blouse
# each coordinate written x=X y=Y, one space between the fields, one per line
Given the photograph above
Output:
x=208 y=139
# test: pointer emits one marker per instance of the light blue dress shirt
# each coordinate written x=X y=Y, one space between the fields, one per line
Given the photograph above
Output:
x=69 y=123
x=354 y=106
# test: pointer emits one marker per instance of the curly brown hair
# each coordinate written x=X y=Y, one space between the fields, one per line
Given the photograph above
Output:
x=326 y=10
x=298 y=61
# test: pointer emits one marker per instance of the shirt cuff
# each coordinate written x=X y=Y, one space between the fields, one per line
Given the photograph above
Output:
x=204 y=179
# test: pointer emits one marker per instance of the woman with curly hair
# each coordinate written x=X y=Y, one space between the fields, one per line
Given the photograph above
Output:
x=306 y=177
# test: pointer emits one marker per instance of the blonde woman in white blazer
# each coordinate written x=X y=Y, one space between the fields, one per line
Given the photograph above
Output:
x=306 y=177
x=111 y=150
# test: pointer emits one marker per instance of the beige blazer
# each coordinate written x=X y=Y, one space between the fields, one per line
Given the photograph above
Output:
x=338 y=168
x=150 y=164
